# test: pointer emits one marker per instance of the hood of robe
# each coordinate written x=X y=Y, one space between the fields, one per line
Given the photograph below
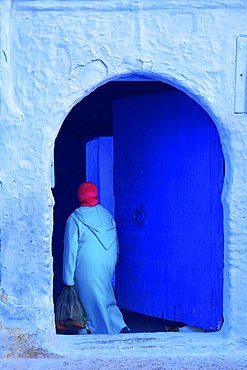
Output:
x=106 y=235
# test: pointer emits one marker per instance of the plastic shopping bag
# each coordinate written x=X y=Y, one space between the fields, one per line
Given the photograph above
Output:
x=69 y=312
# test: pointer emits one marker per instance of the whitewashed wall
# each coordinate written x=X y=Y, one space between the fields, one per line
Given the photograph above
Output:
x=54 y=53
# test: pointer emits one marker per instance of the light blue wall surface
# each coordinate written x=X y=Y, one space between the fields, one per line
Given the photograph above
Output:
x=53 y=54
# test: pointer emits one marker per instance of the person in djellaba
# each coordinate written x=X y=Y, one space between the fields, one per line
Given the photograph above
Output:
x=89 y=260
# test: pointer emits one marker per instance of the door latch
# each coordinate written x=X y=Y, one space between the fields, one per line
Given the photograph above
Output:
x=139 y=215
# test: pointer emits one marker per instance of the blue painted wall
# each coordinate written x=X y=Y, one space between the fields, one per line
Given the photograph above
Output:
x=54 y=54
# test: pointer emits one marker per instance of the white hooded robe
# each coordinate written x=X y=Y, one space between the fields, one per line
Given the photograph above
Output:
x=90 y=255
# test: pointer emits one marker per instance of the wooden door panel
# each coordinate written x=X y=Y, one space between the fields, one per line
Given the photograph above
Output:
x=168 y=163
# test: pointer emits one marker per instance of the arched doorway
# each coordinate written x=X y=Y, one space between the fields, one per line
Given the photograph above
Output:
x=91 y=118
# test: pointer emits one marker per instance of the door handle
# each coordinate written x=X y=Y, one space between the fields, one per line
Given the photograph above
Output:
x=139 y=215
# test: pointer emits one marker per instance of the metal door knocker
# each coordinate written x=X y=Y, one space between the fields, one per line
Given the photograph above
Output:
x=139 y=215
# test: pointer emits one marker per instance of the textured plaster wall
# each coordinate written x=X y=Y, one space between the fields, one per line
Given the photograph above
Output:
x=54 y=53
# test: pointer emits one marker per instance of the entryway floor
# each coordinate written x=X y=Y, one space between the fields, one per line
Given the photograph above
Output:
x=139 y=323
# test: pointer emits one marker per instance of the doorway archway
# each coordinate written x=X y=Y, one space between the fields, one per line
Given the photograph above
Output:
x=91 y=118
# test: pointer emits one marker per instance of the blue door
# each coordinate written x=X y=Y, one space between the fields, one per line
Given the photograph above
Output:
x=168 y=183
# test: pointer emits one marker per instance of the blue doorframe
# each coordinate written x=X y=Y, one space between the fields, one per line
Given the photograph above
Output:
x=168 y=183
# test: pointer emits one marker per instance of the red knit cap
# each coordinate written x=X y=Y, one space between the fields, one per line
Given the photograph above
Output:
x=88 y=194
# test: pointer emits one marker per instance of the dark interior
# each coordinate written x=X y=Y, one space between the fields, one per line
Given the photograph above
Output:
x=90 y=118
